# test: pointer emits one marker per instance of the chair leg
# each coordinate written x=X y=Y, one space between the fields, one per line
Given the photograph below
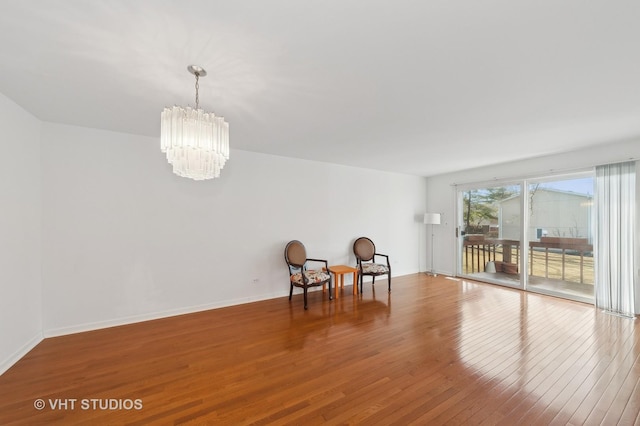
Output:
x=373 y=280
x=389 y=281
x=305 y=297
x=291 y=292
x=331 y=294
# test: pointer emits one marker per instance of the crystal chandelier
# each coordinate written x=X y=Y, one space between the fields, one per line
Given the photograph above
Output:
x=196 y=142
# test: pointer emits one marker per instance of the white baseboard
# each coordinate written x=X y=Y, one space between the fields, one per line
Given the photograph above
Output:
x=62 y=331
x=15 y=357
x=80 y=328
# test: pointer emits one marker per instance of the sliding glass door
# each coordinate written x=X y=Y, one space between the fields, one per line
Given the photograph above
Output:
x=560 y=236
x=556 y=251
x=490 y=228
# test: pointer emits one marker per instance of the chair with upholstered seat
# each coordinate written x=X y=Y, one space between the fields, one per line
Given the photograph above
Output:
x=365 y=252
x=299 y=275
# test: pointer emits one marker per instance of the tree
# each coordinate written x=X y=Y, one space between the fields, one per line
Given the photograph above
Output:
x=482 y=205
x=471 y=199
x=532 y=191
x=494 y=195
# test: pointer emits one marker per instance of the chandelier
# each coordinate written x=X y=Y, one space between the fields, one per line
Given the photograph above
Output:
x=196 y=142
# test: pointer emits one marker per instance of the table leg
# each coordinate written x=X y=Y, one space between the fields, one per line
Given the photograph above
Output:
x=355 y=282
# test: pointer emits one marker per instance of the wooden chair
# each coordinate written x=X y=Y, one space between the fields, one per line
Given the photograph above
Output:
x=296 y=257
x=365 y=252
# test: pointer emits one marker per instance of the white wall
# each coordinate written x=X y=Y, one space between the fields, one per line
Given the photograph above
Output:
x=20 y=230
x=441 y=193
x=126 y=240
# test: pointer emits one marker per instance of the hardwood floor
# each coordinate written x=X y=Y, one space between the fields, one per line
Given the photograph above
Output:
x=434 y=351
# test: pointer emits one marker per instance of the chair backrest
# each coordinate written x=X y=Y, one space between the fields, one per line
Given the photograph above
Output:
x=295 y=254
x=364 y=249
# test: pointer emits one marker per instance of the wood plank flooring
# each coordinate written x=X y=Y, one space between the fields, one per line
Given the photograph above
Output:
x=434 y=351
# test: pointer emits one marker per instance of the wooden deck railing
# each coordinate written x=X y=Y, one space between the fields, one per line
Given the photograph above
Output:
x=478 y=251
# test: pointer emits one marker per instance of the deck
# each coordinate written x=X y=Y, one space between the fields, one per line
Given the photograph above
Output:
x=557 y=266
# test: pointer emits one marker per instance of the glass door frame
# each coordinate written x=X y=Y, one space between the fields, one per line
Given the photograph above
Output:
x=591 y=233
x=459 y=211
x=524 y=184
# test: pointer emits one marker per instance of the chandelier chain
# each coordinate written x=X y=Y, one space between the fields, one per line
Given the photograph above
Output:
x=197 y=87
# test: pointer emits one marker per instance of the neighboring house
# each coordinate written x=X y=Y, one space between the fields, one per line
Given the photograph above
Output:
x=553 y=213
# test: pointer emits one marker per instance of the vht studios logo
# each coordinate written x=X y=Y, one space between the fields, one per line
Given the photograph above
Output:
x=88 y=404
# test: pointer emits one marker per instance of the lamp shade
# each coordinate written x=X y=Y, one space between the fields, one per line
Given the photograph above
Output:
x=432 y=218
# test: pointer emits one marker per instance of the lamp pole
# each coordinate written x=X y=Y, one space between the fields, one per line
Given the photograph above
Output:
x=432 y=219
x=433 y=270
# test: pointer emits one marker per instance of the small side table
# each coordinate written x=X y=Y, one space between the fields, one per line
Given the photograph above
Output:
x=338 y=272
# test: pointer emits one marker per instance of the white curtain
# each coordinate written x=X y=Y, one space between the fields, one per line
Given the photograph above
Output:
x=615 y=234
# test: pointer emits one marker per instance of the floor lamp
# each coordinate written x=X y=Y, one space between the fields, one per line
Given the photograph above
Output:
x=432 y=219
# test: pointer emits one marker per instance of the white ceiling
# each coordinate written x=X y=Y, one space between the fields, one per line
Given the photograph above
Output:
x=413 y=86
